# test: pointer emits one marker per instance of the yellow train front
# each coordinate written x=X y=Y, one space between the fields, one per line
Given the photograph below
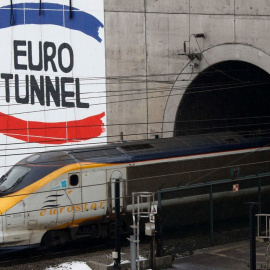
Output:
x=54 y=197
x=46 y=198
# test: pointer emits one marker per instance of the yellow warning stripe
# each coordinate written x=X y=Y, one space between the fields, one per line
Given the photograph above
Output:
x=11 y=200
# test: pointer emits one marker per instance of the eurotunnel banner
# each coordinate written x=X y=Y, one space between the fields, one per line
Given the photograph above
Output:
x=52 y=74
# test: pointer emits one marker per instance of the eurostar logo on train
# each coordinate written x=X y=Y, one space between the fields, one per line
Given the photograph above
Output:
x=73 y=208
x=52 y=75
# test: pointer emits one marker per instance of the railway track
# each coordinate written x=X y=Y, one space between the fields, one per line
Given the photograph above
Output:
x=83 y=250
x=180 y=243
x=33 y=256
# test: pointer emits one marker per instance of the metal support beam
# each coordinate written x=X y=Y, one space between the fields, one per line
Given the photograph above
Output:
x=252 y=236
x=211 y=216
x=133 y=252
x=158 y=235
x=117 y=261
x=260 y=201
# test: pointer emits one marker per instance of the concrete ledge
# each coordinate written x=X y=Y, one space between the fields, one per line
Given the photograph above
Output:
x=161 y=263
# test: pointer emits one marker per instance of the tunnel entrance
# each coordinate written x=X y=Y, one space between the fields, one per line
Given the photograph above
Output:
x=228 y=96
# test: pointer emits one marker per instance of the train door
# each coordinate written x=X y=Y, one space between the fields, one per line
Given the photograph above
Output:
x=112 y=175
x=94 y=192
x=74 y=193
x=70 y=198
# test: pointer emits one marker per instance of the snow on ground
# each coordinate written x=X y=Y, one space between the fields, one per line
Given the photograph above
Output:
x=71 y=266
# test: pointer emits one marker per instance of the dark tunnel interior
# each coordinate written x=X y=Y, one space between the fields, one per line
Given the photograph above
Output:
x=228 y=96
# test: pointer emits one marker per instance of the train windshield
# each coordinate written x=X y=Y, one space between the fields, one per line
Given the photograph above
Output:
x=12 y=177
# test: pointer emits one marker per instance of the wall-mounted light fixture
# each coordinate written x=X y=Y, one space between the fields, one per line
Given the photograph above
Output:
x=190 y=55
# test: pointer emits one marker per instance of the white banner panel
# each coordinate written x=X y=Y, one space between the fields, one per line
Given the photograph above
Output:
x=52 y=76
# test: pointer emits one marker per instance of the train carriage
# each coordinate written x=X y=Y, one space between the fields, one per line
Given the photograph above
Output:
x=53 y=197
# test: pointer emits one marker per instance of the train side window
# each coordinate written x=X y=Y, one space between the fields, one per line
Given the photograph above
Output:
x=73 y=180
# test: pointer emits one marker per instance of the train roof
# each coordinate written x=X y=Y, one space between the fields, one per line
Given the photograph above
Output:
x=39 y=165
x=124 y=152
x=168 y=147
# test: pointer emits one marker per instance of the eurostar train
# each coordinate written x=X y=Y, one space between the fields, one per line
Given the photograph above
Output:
x=53 y=197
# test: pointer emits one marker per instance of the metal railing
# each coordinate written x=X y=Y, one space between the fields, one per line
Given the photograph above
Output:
x=212 y=195
x=142 y=203
x=263 y=219
x=264 y=233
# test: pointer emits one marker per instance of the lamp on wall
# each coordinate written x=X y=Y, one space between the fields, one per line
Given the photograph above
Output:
x=190 y=55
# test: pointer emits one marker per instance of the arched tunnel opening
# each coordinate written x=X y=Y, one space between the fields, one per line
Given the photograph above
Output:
x=228 y=96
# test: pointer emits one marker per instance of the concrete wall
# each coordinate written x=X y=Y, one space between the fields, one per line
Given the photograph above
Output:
x=146 y=74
